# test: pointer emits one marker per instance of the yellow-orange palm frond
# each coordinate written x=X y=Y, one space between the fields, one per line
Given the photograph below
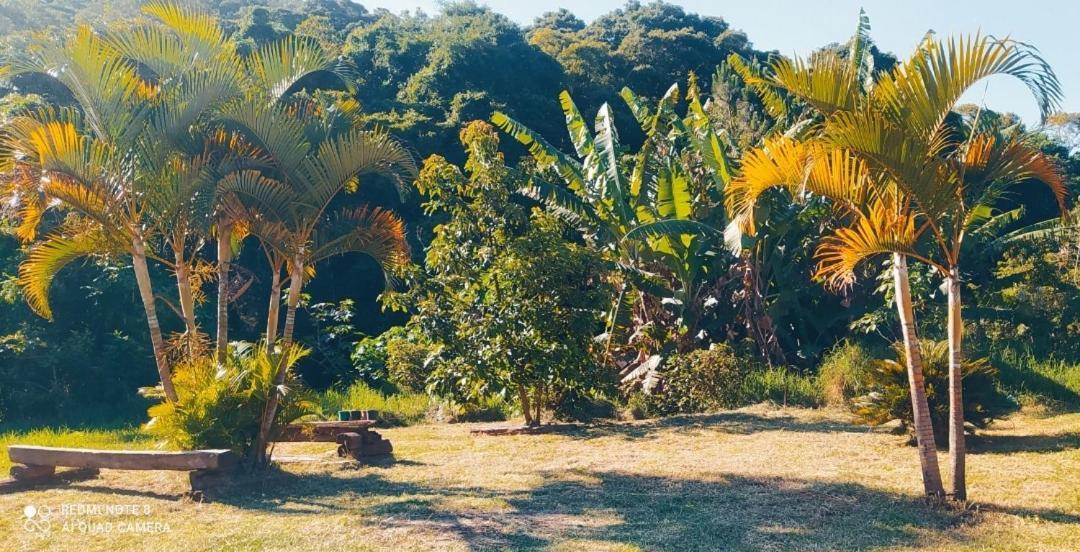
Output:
x=880 y=229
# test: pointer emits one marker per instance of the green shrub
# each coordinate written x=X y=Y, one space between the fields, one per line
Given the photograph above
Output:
x=576 y=405
x=889 y=398
x=221 y=407
x=407 y=364
x=780 y=385
x=699 y=381
x=369 y=358
x=487 y=409
x=403 y=408
x=637 y=406
x=844 y=372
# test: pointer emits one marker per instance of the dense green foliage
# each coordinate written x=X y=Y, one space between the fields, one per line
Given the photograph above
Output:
x=574 y=264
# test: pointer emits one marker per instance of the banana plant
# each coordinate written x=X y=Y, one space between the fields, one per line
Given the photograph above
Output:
x=654 y=211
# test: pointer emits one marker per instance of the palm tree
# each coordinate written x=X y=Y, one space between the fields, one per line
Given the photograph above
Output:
x=316 y=154
x=105 y=159
x=953 y=177
x=921 y=178
x=191 y=47
x=273 y=75
x=826 y=85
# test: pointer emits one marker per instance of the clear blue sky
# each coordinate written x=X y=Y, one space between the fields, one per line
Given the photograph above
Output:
x=799 y=26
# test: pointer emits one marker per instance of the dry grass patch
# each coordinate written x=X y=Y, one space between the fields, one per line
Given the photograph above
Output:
x=753 y=479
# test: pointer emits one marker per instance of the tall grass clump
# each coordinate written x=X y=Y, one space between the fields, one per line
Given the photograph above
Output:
x=844 y=372
x=780 y=385
x=403 y=408
x=1037 y=381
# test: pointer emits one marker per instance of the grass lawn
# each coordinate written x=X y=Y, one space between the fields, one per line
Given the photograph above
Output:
x=757 y=478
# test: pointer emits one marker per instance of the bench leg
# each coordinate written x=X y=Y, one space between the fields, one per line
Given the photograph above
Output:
x=203 y=481
x=25 y=473
x=26 y=477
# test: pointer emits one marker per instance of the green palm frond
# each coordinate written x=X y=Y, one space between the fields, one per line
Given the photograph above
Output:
x=375 y=232
x=752 y=75
x=823 y=81
x=185 y=101
x=338 y=162
x=281 y=67
x=912 y=163
x=270 y=198
x=197 y=30
x=271 y=129
x=990 y=164
x=924 y=89
x=46 y=258
x=107 y=87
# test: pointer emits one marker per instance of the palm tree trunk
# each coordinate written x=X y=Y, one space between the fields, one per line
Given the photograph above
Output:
x=224 y=255
x=295 y=282
x=146 y=293
x=275 y=306
x=924 y=431
x=296 y=279
x=187 y=300
x=957 y=447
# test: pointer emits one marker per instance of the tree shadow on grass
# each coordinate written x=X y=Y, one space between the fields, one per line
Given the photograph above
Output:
x=738 y=423
x=729 y=512
x=1009 y=444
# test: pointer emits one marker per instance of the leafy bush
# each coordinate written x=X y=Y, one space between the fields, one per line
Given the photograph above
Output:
x=578 y=406
x=510 y=305
x=370 y=355
x=637 y=406
x=221 y=407
x=407 y=364
x=486 y=409
x=844 y=372
x=699 y=381
x=780 y=385
x=888 y=397
x=394 y=409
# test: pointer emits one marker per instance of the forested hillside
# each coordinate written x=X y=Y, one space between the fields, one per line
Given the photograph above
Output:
x=424 y=78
